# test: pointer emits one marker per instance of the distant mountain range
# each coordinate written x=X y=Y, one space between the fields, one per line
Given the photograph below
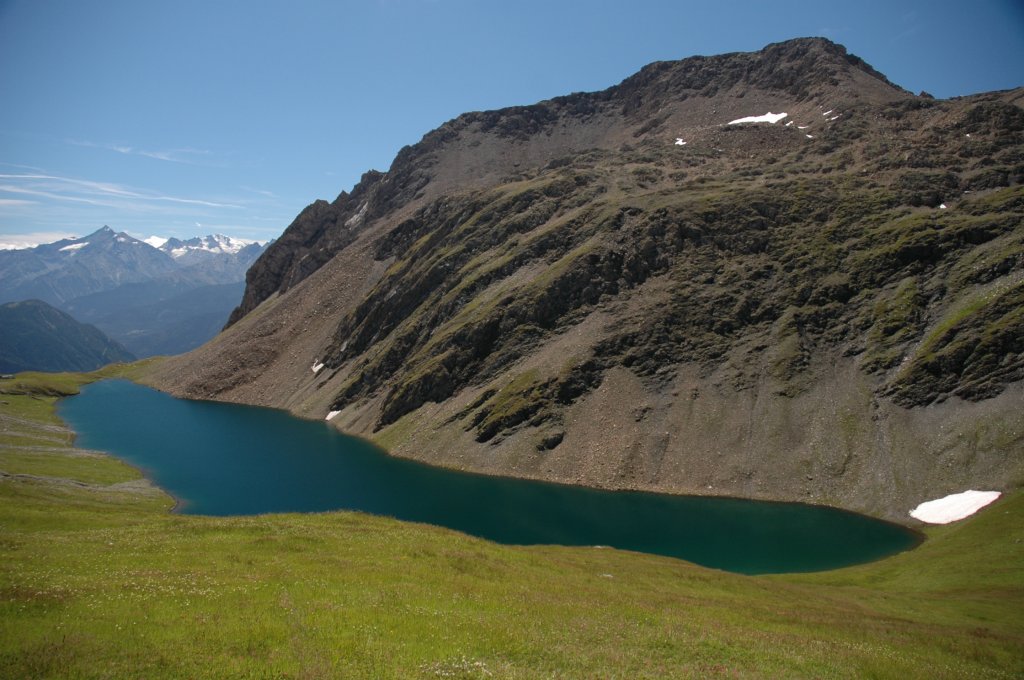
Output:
x=228 y=257
x=36 y=337
x=161 y=296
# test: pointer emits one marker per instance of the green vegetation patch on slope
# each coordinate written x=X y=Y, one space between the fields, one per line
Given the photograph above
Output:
x=111 y=585
x=831 y=262
x=971 y=351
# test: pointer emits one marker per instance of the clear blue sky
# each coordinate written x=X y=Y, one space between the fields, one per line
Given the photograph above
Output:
x=189 y=117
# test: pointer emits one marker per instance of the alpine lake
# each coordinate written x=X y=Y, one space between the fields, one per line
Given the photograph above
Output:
x=226 y=459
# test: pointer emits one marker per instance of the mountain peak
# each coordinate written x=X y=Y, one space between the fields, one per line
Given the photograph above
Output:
x=104 y=233
x=690 y=100
x=801 y=70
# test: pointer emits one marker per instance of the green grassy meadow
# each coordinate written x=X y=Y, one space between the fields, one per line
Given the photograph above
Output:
x=99 y=580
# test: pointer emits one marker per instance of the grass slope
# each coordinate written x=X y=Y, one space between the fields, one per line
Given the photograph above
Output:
x=99 y=580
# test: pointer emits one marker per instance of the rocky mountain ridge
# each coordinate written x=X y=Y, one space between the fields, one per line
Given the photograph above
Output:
x=773 y=275
x=693 y=97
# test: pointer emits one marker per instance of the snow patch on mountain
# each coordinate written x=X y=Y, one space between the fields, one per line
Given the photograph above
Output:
x=953 y=507
x=766 y=118
x=218 y=244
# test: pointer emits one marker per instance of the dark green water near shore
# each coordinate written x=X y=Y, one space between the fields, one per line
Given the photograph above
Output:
x=225 y=459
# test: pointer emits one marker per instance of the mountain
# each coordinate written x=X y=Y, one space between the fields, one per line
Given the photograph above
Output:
x=221 y=255
x=36 y=337
x=771 y=275
x=61 y=271
x=164 y=300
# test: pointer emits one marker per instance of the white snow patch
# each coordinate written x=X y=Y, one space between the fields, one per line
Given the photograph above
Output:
x=317 y=367
x=121 y=239
x=155 y=241
x=680 y=142
x=942 y=206
x=802 y=127
x=74 y=246
x=968 y=134
x=828 y=112
x=31 y=240
x=766 y=118
x=809 y=136
x=834 y=118
x=332 y=414
x=789 y=123
x=219 y=243
x=953 y=507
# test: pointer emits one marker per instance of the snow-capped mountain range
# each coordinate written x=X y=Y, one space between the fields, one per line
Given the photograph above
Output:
x=218 y=244
x=123 y=284
x=70 y=268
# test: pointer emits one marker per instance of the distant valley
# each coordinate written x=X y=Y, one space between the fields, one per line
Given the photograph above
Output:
x=164 y=297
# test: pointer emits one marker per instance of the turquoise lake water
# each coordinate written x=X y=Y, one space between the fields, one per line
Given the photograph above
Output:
x=225 y=459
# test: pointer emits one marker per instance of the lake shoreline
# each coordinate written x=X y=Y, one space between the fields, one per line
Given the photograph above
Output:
x=220 y=459
x=904 y=520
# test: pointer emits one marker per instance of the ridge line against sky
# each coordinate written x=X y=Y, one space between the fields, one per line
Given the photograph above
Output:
x=188 y=118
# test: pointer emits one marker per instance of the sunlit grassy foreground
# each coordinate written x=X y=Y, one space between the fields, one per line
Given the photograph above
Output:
x=98 y=579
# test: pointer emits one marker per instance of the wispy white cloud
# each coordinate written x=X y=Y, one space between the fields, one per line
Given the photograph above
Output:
x=261 y=192
x=17 y=241
x=87 y=191
x=244 y=230
x=186 y=155
x=11 y=189
x=23 y=167
x=43 y=201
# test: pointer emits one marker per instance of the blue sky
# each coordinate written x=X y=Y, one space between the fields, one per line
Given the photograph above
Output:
x=192 y=117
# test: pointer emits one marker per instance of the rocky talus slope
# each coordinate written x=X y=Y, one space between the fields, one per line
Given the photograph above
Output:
x=623 y=289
